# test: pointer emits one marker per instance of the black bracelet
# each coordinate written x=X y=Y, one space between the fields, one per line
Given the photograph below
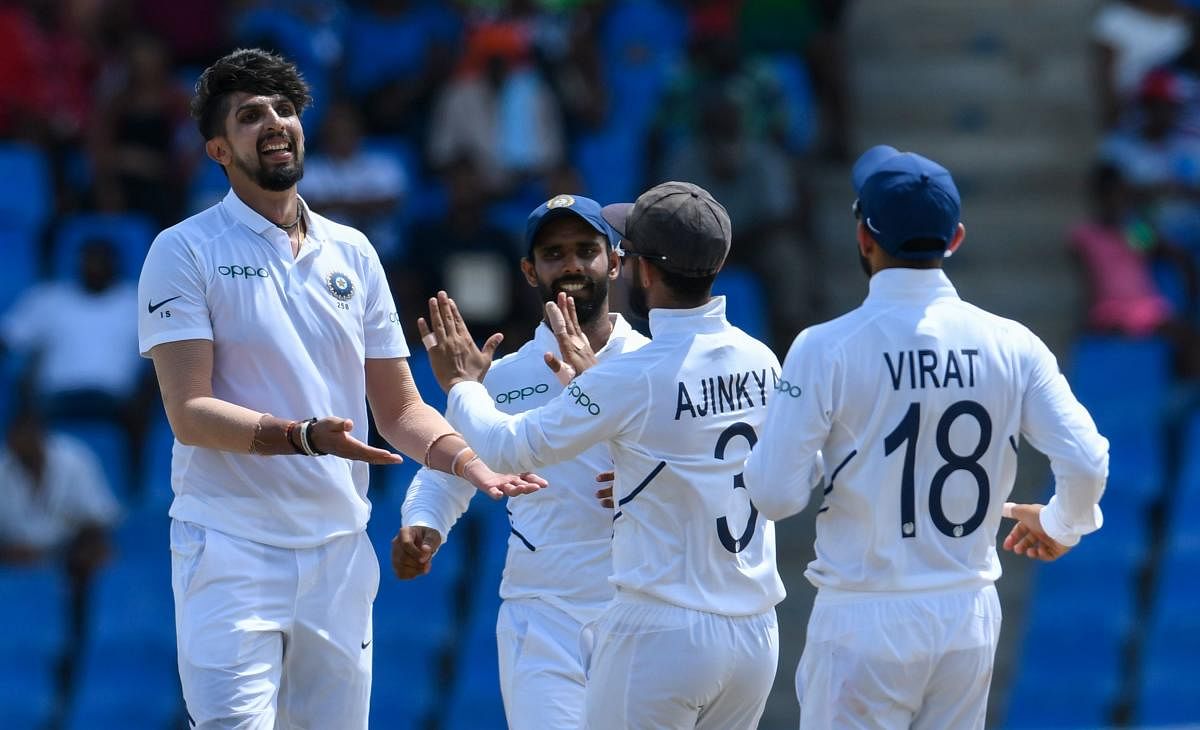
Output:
x=306 y=442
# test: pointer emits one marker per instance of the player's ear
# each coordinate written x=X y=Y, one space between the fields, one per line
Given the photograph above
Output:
x=866 y=244
x=529 y=272
x=959 y=235
x=614 y=264
x=218 y=151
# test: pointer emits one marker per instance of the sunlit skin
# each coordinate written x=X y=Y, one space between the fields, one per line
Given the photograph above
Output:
x=262 y=149
x=571 y=257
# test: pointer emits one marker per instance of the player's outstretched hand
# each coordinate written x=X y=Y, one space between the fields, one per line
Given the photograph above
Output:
x=1027 y=536
x=452 y=352
x=332 y=435
x=413 y=549
x=497 y=485
x=605 y=493
x=577 y=354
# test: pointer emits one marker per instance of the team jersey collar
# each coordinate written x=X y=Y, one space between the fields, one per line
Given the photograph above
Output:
x=910 y=284
x=708 y=317
x=546 y=341
x=258 y=223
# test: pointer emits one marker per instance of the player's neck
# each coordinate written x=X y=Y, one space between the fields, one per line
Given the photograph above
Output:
x=281 y=207
x=598 y=330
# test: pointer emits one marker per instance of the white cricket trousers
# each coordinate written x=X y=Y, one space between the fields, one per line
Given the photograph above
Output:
x=655 y=666
x=273 y=637
x=897 y=661
x=541 y=666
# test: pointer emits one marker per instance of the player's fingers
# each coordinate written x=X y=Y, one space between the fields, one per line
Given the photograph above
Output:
x=436 y=325
x=556 y=320
x=460 y=324
x=535 y=479
x=489 y=347
x=355 y=450
x=446 y=312
x=1007 y=510
x=573 y=317
x=606 y=476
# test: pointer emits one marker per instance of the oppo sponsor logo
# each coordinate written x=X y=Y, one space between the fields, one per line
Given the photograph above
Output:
x=244 y=272
x=517 y=394
x=784 y=386
x=582 y=399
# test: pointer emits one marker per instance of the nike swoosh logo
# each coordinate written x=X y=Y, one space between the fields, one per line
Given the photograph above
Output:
x=367 y=643
x=152 y=307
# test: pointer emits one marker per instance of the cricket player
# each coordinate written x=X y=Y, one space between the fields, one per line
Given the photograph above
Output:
x=690 y=639
x=254 y=307
x=560 y=548
x=913 y=404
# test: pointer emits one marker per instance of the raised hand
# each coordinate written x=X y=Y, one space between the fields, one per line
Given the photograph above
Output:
x=332 y=435
x=497 y=485
x=577 y=354
x=413 y=549
x=1027 y=536
x=452 y=352
x=605 y=493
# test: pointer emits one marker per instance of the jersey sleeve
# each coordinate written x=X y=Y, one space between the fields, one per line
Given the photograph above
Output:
x=172 y=295
x=435 y=499
x=1058 y=425
x=595 y=407
x=785 y=464
x=383 y=335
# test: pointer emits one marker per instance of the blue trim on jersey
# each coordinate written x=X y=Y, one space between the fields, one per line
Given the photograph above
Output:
x=833 y=476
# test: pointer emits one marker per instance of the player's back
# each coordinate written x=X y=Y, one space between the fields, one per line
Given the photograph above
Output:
x=925 y=394
x=685 y=531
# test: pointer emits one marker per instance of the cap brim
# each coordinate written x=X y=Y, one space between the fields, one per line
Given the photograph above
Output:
x=869 y=162
x=555 y=214
x=616 y=215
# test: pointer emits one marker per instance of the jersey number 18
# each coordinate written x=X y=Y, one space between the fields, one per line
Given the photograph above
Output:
x=907 y=433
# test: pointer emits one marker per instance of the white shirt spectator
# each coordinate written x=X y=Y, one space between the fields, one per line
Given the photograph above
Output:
x=74 y=495
x=1140 y=40
x=85 y=341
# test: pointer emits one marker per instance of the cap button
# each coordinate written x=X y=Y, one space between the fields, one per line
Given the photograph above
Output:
x=924 y=178
x=695 y=194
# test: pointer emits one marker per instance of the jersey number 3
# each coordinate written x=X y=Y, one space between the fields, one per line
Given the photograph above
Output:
x=906 y=433
x=731 y=543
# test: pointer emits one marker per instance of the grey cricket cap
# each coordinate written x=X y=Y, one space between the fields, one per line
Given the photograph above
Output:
x=678 y=225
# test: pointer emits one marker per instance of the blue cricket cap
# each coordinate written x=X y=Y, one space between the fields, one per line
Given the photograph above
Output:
x=903 y=196
x=586 y=209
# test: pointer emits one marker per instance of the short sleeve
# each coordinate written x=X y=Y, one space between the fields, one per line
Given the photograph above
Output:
x=172 y=295
x=382 y=333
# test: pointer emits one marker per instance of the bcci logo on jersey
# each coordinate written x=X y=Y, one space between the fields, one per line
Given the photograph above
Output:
x=339 y=285
x=582 y=399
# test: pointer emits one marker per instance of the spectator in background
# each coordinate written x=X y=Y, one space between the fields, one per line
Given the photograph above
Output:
x=1160 y=162
x=499 y=112
x=83 y=338
x=716 y=65
x=397 y=54
x=754 y=181
x=360 y=188
x=1130 y=38
x=133 y=137
x=1115 y=249
x=466 y=254
x=54 y=503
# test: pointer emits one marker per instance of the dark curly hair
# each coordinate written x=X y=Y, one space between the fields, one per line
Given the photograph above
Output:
x=251 y=70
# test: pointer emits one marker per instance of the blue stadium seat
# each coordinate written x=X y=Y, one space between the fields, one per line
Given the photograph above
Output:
x=1039 y=703
x=799 y=100
x=109 y=443
x=123 y=685
x=33 y=608
x=156 y=463
x=475 y=702
x=132 y=603
x=745 y=306
x=130 y=233
x=640 y=41
x=1141 y=367
x=207 y=187
x=21 y=264
x=1167 y=685
x=611 y=162
x=28 y=692
x=26 y=192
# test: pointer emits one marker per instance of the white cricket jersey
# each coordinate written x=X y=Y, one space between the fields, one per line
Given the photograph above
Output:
x=915 y=401
x=290 y=336
x=679 y=415
x=560 y=544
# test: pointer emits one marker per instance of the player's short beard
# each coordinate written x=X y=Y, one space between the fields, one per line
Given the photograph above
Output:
x=278 y=178
x=639 y=306
x=587 y=310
